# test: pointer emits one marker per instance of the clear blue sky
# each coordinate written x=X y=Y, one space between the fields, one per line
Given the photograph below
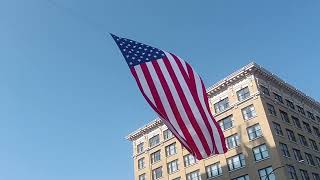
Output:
x=67 y=98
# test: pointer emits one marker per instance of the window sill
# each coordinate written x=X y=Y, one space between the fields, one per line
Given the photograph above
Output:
x=174 y=171
x=213 y=177
x=262 y=159
x=233 y=147
x=250 y=118
x=228 y=129
x=237 y=169
x=255 y=138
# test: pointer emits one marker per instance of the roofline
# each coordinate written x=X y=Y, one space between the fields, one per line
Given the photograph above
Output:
x=250 y=68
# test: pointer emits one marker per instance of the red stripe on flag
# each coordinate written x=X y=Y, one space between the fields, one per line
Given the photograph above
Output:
x=186 y=106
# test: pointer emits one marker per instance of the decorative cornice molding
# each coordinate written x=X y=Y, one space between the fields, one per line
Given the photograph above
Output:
x=249 y=69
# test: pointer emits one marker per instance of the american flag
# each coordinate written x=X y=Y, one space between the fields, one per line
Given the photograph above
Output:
x=177 y=94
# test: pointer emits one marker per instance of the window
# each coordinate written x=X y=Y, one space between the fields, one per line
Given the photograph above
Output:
x=254 y=131
x=297 y=155
x=318 y=160
x=177 y=178
x=292 y=172
x=296 y=122
x=264 y=174
x=155 y=157
x=314 y=145
x=142 y=177
x=248 y=112
x=303 y=140
x=277 y=128
x=271 y=109
x=155 y=140
x=221 y=105
x=301 y=110
x=236 y=162
x=226 y=123
x=278 y=97
x=189 y=160
x=171 y=149
x=157 y=173
x=284 y=116
x=260 y=152
x=141 y=163
x=316 y=131
x=304 y=174
x=290 y=104
x=213 y=170
x=318 y=119
x=195 y=175
x=284 y=149
x=232 y=141
x=291 y=135
x=244 y=177
x=243 y=94
x=173 y=166
x=167 y=134
x=310 y=160
x=316 y=176
x=265 y=90
x=307 y=127
x=310 y=115
x=140 y=148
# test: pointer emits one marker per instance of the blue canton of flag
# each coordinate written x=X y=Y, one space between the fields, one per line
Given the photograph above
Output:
x=136 y=53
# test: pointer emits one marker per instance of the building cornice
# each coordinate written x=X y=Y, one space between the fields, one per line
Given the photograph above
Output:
x=249 y=69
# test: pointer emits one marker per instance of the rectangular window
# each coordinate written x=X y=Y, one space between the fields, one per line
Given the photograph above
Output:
x=173 y=166
x=171 y=149
x=221 y=105
x=226 y=123
x=316 y=176
x=290 y=104
x=244 y=177
x=155 y=140
x=233 y=141
x=265 y=90
x=316 y=131
x=140 y=148
x=304 y=174
x=296 y=122
x=307 y=127
x=243 y=94
x=260 y=152
x=213 y=170
x=278 y=98
x=318 y=119
x=167 y=134
x=142 y=177
x=303 y=140
x=292 y=172
x=177 y=178
x=195 y=175
x=297 y=155
x=265 y=174
x=309 y=159
x=301 y=110
x=254 y=131
x=141 y=163
x=189 y=160
x=314 y=145
x=236 y=162
x=277 y=128
x=271 y=109
x=284 y=116
x=248 y=112
x=284 y=149
x=155 y=157
x=310 y=115
x=157 y=173
x=318 y=160
x=291 y=135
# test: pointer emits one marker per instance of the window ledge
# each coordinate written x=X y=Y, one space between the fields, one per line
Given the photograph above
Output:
x=262 y=159
x=255 y=138
x=237 y=169
x=213 y=177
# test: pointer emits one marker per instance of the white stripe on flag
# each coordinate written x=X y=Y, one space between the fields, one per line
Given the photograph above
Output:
x=144 y=84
